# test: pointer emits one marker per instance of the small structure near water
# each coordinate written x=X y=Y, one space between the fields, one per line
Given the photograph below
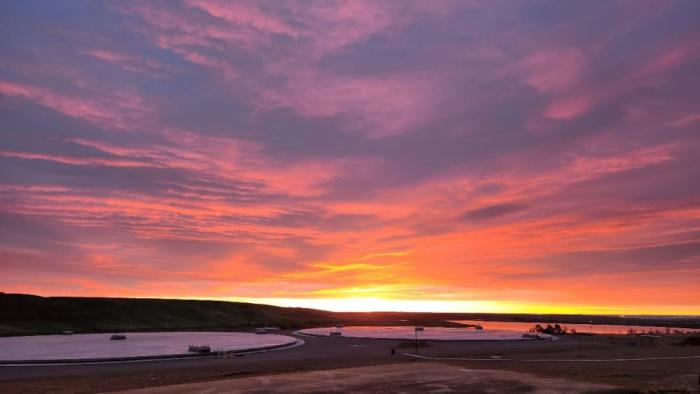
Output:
x=118 y=337
x=199 y=349
x=265 y=330
x=534 y=336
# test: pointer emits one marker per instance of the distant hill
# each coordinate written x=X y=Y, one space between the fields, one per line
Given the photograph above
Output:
x=22 y=314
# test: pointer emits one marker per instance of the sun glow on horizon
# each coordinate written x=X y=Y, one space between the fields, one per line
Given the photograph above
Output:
x=379 y=304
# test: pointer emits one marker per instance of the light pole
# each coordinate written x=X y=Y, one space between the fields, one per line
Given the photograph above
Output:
x=415 y=330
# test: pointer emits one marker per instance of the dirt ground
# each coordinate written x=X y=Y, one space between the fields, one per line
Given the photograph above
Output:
x=422 y=377
x=542 y=359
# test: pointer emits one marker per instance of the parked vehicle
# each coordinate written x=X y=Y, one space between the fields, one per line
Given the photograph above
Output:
x=199 y=349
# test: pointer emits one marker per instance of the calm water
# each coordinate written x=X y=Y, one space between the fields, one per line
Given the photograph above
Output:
x=583 y=328
x=137 y=344
x=409 y=333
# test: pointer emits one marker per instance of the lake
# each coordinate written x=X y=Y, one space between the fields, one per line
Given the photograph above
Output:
x=581 y=328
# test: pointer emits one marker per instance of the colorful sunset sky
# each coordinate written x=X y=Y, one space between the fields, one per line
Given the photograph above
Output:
x=495 y=156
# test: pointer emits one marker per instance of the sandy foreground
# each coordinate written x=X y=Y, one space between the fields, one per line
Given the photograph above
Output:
x=420 y=377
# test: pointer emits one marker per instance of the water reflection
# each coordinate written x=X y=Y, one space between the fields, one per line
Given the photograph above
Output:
x=580 y=328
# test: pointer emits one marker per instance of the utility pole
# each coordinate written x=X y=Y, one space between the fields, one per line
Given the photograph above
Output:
x=415 y=330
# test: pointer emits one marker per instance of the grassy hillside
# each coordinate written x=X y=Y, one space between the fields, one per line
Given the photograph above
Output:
x=27 y=314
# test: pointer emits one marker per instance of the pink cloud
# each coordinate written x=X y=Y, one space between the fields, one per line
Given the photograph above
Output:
x=591 y=167
x=128 y=62
x=382 y=106
x=116 y=111
x=92 y=161
x=666 y=60
x=245 y=14
x=552 y=70
x=224 y=67
x=584 y=96
x=686 y=120
x=378 y=106
x=569 y=107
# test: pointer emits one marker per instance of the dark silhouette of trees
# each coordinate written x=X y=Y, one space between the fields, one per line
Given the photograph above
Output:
x=551 y=330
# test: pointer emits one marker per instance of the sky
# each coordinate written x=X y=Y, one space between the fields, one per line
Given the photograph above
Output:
x=495 y=156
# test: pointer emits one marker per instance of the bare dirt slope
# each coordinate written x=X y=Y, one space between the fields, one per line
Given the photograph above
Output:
x=423 y=377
